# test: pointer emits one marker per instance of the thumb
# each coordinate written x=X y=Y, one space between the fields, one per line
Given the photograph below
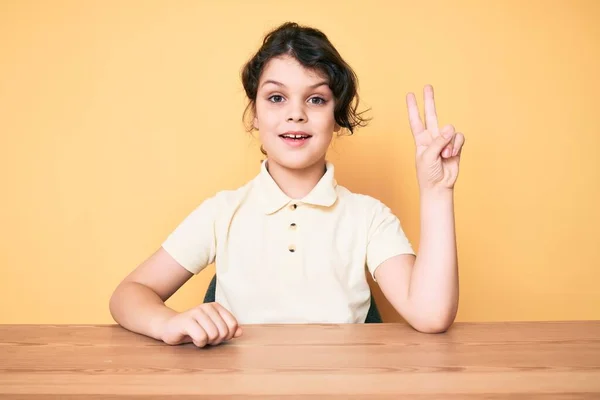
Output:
x=238 y=332
x=440 y=142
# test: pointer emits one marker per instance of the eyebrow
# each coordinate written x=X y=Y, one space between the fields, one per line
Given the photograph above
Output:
x=281 y=84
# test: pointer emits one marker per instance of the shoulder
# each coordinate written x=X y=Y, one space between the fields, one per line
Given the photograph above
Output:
x=228 y=198
x=373 y=212
x=362 y=201
x=232 y=196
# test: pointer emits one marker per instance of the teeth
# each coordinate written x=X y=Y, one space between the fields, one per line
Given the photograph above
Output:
x=296 y=136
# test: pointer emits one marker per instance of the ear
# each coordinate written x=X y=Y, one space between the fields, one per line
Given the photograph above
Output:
x=255 y=123
x=336 y=128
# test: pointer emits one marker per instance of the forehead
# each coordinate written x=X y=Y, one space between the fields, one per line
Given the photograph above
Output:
x=290 y=72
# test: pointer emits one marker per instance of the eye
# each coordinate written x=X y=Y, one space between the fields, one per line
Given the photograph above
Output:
x=276 y=98
x=319 y=101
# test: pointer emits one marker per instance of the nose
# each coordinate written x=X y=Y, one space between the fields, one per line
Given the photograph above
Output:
x=296 y=112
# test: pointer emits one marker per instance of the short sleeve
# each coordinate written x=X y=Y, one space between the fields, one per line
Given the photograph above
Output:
x=386 y=238
x=192 y=244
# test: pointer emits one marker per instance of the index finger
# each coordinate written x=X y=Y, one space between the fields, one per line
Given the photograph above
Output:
x=416 y=125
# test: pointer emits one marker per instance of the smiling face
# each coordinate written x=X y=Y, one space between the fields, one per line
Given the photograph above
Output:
x=294 y=114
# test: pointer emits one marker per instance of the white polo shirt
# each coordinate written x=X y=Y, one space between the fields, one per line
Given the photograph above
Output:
x=280 y=260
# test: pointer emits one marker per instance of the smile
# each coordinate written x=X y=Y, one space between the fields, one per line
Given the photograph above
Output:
x=295 y=136
x=295 y=139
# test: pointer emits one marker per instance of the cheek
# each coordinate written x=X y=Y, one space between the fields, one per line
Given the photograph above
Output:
x=325 y=120
x=267 y=118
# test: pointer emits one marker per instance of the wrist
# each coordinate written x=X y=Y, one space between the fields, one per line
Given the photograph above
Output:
x=159 y=321
x=437 y=193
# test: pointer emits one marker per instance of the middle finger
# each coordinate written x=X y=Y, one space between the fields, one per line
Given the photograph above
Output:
x=431 y=121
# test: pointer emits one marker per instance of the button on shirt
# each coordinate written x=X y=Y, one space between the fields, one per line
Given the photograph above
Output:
x=283 y=260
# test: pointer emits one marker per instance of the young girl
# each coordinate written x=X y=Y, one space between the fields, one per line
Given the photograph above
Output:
x=291 y=245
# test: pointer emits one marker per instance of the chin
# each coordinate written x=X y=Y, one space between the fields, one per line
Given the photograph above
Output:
x=297 y=161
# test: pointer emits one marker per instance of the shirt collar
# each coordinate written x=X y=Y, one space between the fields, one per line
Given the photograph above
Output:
x=273 y=199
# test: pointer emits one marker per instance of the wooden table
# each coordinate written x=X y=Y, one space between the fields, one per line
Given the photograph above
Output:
x=371 y=361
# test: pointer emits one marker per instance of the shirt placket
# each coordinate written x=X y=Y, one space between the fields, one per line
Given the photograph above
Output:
x=295 y=252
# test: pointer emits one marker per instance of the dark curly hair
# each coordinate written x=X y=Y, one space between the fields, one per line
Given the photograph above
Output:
x=313 y=50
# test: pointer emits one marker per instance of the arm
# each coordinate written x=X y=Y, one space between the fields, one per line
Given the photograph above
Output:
x=137 y=303
x=425 y=290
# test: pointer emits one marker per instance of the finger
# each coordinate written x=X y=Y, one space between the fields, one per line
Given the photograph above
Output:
x=416 y=125
x=431 y=122
x=219 y=323
x=439 y=143
x=447 y=151
x=230 y=320
x=195 y=332
x=238 y=332
x=208 y=325
x=459 y=141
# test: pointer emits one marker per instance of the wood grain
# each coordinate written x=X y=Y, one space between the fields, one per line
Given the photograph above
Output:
x=534 y=360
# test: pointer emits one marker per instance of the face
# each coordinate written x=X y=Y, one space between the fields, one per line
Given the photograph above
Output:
x=294 y=114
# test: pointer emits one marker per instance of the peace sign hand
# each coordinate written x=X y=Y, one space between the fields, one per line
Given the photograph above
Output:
x=438 y=151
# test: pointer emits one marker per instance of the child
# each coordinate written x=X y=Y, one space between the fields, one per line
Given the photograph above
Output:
x=291 y=245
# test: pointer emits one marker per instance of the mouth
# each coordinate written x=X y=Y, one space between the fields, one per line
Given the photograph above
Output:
x=295 y=138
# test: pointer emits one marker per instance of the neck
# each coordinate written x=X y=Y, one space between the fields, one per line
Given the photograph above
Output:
x=296 y=183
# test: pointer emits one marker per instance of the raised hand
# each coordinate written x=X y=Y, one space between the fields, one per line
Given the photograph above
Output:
x=438 y=150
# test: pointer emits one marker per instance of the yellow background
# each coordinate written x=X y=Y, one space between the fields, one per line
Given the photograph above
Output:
x=118 y=118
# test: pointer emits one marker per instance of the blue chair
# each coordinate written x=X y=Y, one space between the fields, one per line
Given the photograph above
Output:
x=373 y=316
